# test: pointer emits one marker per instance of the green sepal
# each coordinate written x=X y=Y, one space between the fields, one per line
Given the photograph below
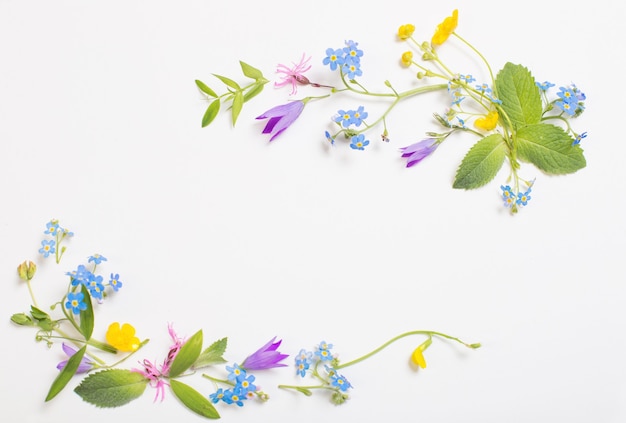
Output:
x=253 y=92
x=194 y=400
x=304 y=391
x=22 y=319
x=205 y=88
x=237 y=106
x=250 y=71
x=112 y=388
x=521 y=101
x=187 y=355
x=229 y=82
x=211 y=112
x=38 y=313
x=481 y=163
x=549 y=148
x=66 y=373
x=87 y=319
x=212 y=355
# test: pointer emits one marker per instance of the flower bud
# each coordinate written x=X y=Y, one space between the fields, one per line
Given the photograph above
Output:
x=417 y=357
x=26 y=270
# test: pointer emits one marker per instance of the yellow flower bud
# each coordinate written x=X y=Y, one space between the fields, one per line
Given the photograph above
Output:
x=407 y=58
x=487 y=122
x=26 y=270
x=122 y=338
x=405 y=31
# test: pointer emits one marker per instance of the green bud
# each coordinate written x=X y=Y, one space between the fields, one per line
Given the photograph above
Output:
x=22 y=319
x=339 y=398
x=26 y=270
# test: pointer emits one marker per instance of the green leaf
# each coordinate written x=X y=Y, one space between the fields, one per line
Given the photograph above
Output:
x=194 y=400
x=212 y=355
x=38 y=314
x=237 y=105
x=481 y=163
x=22 y=319
x=250 y=71
x=86 y=316
x=112 y=388
x=253 y=92
x=205 y=88
x=211 y=113
x=549 y=148
x=229 y=82
x=187 y=355
x=520 y=96
x=66 y=373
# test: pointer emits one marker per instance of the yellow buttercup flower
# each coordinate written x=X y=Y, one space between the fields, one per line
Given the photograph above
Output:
x=122 y=338
x=487 y=122
x=405 y=31
x=407 y=58
x=445 y=28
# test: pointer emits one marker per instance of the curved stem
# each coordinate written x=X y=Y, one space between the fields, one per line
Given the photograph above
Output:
x=403 y=335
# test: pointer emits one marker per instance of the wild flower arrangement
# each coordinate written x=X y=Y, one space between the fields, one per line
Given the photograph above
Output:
x=516 y=118
x=71 y=322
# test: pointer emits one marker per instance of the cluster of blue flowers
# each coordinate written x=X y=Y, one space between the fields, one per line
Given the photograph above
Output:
x=510 y=199
x=305 y=359
x=571 y=99
x=48 y=246
x=347 y=59
x=242 y=389
x=94 y=283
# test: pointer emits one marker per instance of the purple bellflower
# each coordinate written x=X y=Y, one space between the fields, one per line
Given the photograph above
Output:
x=265 y=357
x=415 y=153
x=281 y=117
x=84 y=366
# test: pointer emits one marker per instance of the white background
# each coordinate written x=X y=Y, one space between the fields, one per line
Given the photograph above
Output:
x=217 y=229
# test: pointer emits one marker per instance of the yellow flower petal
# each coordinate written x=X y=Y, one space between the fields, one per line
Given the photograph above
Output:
x=418 y=357
x=405 y=31
x=122 y=338
x=407 y=58
x=487 y=122
x=445 y=28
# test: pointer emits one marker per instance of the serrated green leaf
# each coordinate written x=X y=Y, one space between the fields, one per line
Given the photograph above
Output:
x=66 y=373
x=22 y=319
x=194 y=400
x=212 y=355
x=481 y=163
x=549 y=148
x=253 y=92
x=520 y=96
x=211 y=112
x=112 y=388
x=38 y=314
x=205 y=88
x=187 y=355
x=250 y=71
x=229 y=82
x=237 y=106
x=87 y=319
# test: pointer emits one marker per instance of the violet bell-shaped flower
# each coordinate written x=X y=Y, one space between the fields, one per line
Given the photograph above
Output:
x=265 y=357
x=281 y=117
x=84 y=366
x=415 y=153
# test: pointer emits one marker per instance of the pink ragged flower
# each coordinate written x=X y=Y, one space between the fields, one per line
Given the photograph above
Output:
x=294 y=75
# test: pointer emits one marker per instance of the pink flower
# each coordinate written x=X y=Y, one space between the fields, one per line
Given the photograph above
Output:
x=294 y=75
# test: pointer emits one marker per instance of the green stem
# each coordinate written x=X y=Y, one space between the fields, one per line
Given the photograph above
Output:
x=394 y=339
x=481 y=57
x=117 y=363
x=307 y=387
x=32 y=294
x=216 y=380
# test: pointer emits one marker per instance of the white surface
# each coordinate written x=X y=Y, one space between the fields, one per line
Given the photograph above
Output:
x=216 y=229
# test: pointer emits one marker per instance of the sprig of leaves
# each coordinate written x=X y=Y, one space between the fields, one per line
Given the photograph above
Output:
x=550 y=148
x=235 y=94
